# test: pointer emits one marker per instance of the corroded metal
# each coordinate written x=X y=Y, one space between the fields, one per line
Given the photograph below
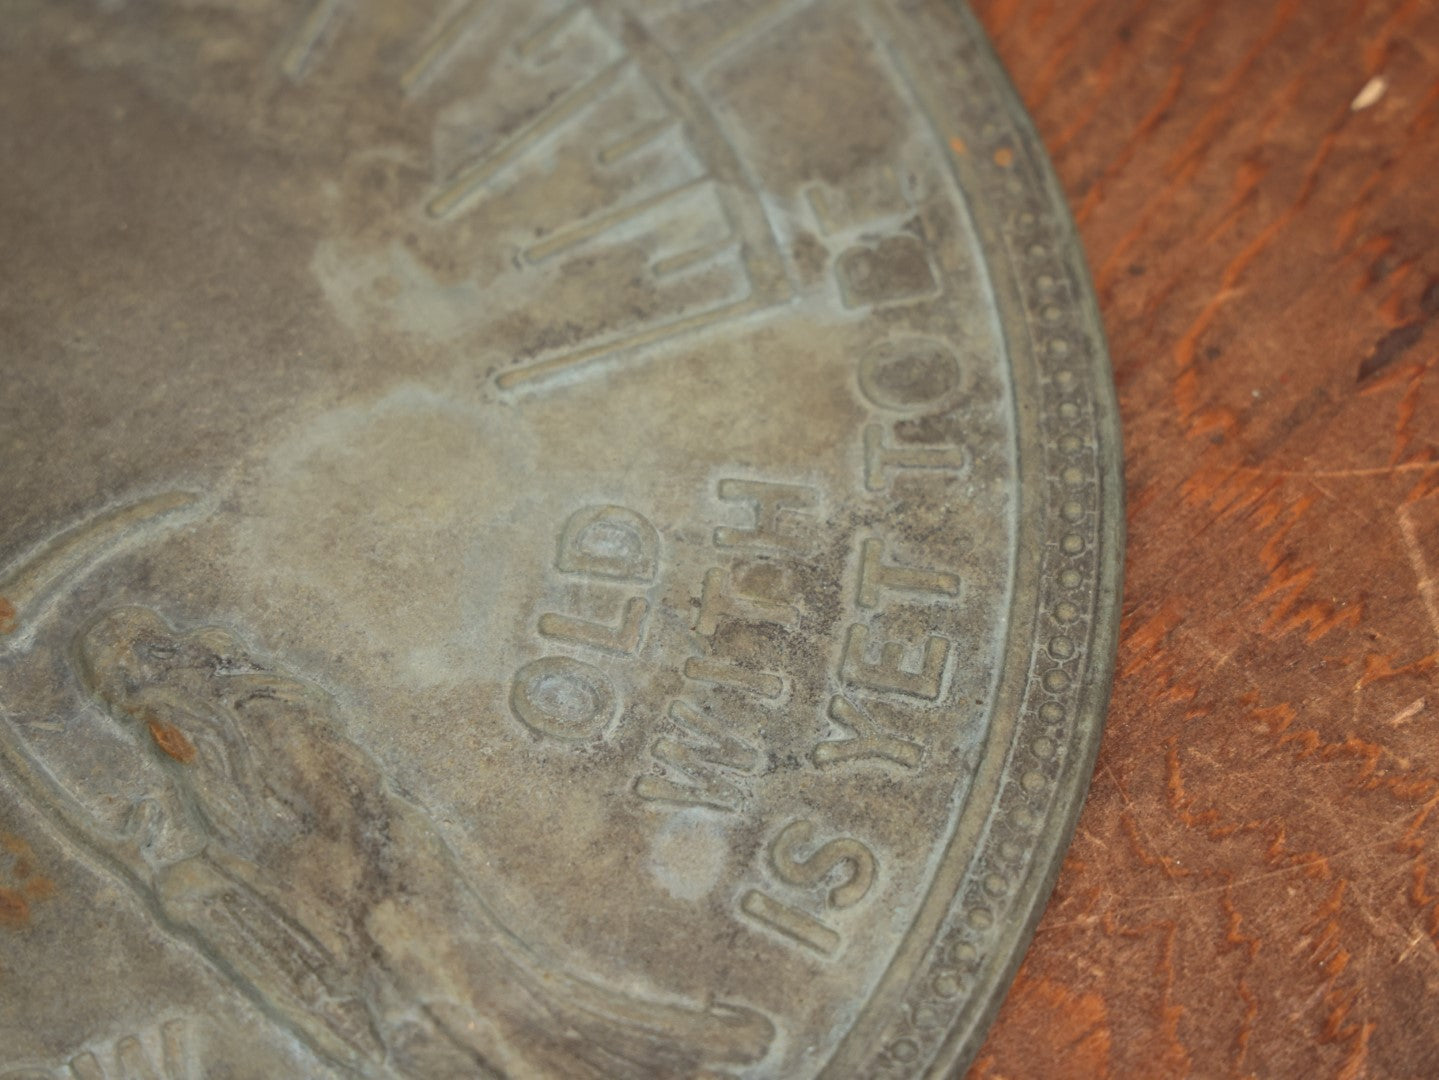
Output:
x=571 y=539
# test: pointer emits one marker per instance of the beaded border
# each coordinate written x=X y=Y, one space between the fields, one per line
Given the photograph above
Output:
x=959 y=982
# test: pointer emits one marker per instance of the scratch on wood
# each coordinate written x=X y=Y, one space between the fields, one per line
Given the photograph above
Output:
x=1425 y=582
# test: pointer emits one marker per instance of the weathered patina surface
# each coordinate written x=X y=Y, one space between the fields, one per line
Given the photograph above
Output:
x=539 y=539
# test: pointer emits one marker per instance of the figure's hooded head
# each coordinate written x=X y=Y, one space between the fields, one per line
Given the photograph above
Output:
x=166 y=683
x=128 y=653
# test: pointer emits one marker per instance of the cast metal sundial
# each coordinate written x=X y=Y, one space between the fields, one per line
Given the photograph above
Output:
x=539 y=538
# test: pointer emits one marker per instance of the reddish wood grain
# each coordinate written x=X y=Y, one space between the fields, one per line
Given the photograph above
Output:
x=1254 y=886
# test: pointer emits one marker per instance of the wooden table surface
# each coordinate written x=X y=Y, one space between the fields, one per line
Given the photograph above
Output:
x=1253 y=889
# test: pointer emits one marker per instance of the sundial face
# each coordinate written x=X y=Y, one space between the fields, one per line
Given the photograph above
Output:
x=540 y=539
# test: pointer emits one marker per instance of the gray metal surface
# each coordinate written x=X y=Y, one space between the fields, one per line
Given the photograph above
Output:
x=539 y=539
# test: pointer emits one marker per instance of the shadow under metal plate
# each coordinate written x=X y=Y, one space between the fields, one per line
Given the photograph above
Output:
x=539 y=538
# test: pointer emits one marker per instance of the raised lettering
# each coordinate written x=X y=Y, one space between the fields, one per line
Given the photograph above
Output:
x=889 y=673
x=878 y=457
x=87 y=1067
x=132 y=1058
x=562 y=698
x=791 y=922
x=910 y=374
x=896 y=268
x=721 y=672
x=154 y=1054
x=623 y=639
x=777 y=513
x=821 y=863
x=717 y=601
x=705 y=744
x=867 y=743
x=875 y=574
x=609 y=541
